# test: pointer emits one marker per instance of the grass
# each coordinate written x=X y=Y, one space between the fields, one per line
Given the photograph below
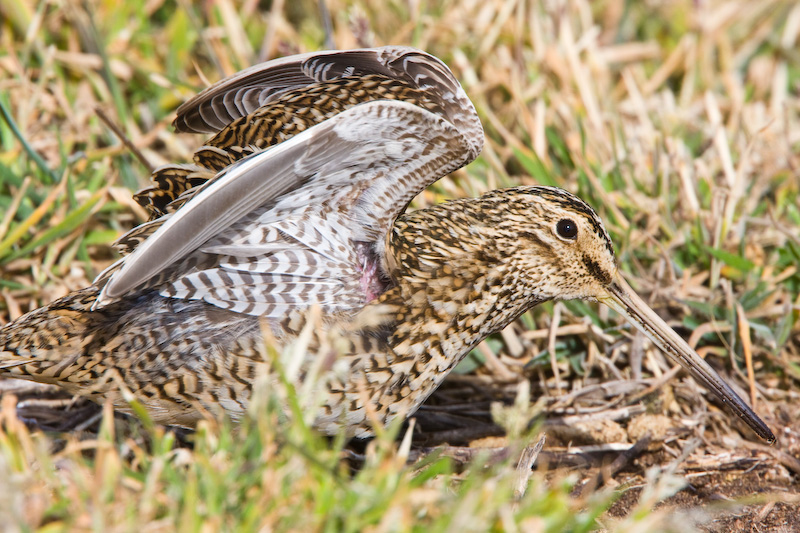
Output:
x=250 y=477
x=678 y=121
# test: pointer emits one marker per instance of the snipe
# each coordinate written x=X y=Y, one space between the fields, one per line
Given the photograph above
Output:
x=298 y=201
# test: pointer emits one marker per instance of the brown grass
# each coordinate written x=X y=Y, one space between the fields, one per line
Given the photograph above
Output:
x=678 y=121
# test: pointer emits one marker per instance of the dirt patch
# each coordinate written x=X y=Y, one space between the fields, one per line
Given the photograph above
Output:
x=763 y=498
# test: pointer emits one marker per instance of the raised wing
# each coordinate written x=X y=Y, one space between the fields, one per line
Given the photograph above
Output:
x=303 y=219
x=284 y=226
x=253 y=88
x=296 y=94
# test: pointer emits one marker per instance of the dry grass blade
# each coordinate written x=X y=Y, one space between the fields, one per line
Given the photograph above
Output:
x=124 y=139
x=525 y=466
x=747 y=348
x=679 y=122
x=34 y=218
x=12 y=209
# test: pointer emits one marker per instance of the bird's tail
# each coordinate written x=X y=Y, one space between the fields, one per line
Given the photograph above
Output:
x=38 y=346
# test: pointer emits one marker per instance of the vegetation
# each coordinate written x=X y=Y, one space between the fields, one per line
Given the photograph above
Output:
x=678 y=121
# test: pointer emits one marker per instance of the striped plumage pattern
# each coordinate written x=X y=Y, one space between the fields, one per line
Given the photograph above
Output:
x=286 y=207
x=296 y=205
x=410 y=141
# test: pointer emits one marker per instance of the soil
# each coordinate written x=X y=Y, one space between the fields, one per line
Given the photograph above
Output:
x=730 y=502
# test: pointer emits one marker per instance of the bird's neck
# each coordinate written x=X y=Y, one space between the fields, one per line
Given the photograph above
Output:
x=452 y=286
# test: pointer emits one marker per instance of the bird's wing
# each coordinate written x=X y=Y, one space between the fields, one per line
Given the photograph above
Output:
x=294 y=94
x=243 y=93
x=311 y=198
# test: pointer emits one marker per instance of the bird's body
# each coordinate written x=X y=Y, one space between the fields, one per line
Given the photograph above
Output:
x=297 y=204
x=451 y=285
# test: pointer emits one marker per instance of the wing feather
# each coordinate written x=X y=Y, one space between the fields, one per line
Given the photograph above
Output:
x=246 y=91
x=288 y=226
x=364 y=164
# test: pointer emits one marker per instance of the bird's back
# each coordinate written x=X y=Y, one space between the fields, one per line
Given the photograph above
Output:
x=286 y=208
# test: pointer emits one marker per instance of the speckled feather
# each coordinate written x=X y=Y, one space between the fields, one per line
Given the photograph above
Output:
x=297 y=204
x=364 y=141
x=457 y=276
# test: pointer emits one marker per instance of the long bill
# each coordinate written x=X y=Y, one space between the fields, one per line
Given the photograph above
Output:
x=622 y=299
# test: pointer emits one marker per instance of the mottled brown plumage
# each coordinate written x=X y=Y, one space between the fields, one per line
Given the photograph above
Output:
x=297 y=203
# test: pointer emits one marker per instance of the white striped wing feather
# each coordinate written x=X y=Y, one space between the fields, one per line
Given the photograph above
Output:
x=283 y=224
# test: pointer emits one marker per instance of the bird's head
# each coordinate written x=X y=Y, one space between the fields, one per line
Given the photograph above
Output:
x=556 y=247
x=553 y=240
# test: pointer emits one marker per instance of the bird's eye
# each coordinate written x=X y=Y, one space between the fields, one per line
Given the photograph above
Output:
x=567 y=229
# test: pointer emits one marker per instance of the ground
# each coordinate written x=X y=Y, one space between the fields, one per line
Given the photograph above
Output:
x=679 y=122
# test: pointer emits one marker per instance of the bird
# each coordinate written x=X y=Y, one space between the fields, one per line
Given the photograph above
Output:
x=297 y=205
